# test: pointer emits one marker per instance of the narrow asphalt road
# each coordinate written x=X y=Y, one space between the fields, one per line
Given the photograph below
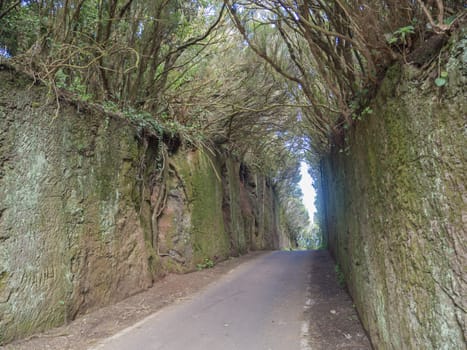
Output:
x=260 y=305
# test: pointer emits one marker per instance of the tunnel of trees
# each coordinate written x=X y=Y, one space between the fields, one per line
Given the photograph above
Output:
x=271 y=83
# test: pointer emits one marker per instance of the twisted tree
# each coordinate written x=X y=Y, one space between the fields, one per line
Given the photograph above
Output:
x=271 y=83
x=336 y=52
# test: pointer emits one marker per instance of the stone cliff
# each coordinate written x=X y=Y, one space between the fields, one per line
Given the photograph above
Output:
x=92 y=210
x=394 y=207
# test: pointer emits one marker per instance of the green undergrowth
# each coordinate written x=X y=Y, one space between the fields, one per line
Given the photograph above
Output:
x=340 y=275
x=206 y=264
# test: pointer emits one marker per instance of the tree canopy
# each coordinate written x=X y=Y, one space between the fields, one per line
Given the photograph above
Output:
x=269 y=81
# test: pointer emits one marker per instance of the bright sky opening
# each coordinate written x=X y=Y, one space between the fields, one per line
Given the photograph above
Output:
x=306 y=184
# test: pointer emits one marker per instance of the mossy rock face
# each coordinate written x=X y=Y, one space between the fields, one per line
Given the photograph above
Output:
x=200 y=177
x=70 y=237
x=394 y=210
x=79 y=227
x=211 y=214
x=232 y=208
x=174 y=239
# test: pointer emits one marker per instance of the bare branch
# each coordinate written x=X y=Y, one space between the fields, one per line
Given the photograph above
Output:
x=439 y=28
x=9 y=9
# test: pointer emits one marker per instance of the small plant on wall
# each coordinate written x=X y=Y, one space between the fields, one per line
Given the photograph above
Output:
x=442 y=79
x=206 y=264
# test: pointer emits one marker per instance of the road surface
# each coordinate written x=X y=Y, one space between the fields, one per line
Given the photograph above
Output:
x=259 y=305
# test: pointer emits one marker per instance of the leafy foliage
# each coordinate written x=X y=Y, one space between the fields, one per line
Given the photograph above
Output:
x=206 y=264
x=273 y=82
x=294 y=215
x=401 y=34
x=333 y=50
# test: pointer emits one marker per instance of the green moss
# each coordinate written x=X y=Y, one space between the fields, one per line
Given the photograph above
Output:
x=172 y=266
x=200 y=176
x=231 y=207
x=154 y=262
x=394 y=209
x=3 y=280
x=207 y=218
x=390 y=84
x=95 y=178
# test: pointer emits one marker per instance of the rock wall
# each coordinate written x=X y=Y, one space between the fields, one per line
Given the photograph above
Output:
x=91 y=210
x=215 y=208
x=395 y=209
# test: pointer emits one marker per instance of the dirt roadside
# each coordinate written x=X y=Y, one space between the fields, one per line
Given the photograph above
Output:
x=333 y=321
x=89 y=328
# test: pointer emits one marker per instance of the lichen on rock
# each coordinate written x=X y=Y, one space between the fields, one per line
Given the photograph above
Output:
x=395 y=210
x=87 y=217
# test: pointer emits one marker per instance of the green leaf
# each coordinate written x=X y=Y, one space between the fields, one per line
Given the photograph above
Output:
x=449 y=20
x=444 y=74
x=405 y=30
x=440 y=82
x=410 y=29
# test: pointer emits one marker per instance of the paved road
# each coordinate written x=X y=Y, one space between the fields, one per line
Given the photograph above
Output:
x=257 y=306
